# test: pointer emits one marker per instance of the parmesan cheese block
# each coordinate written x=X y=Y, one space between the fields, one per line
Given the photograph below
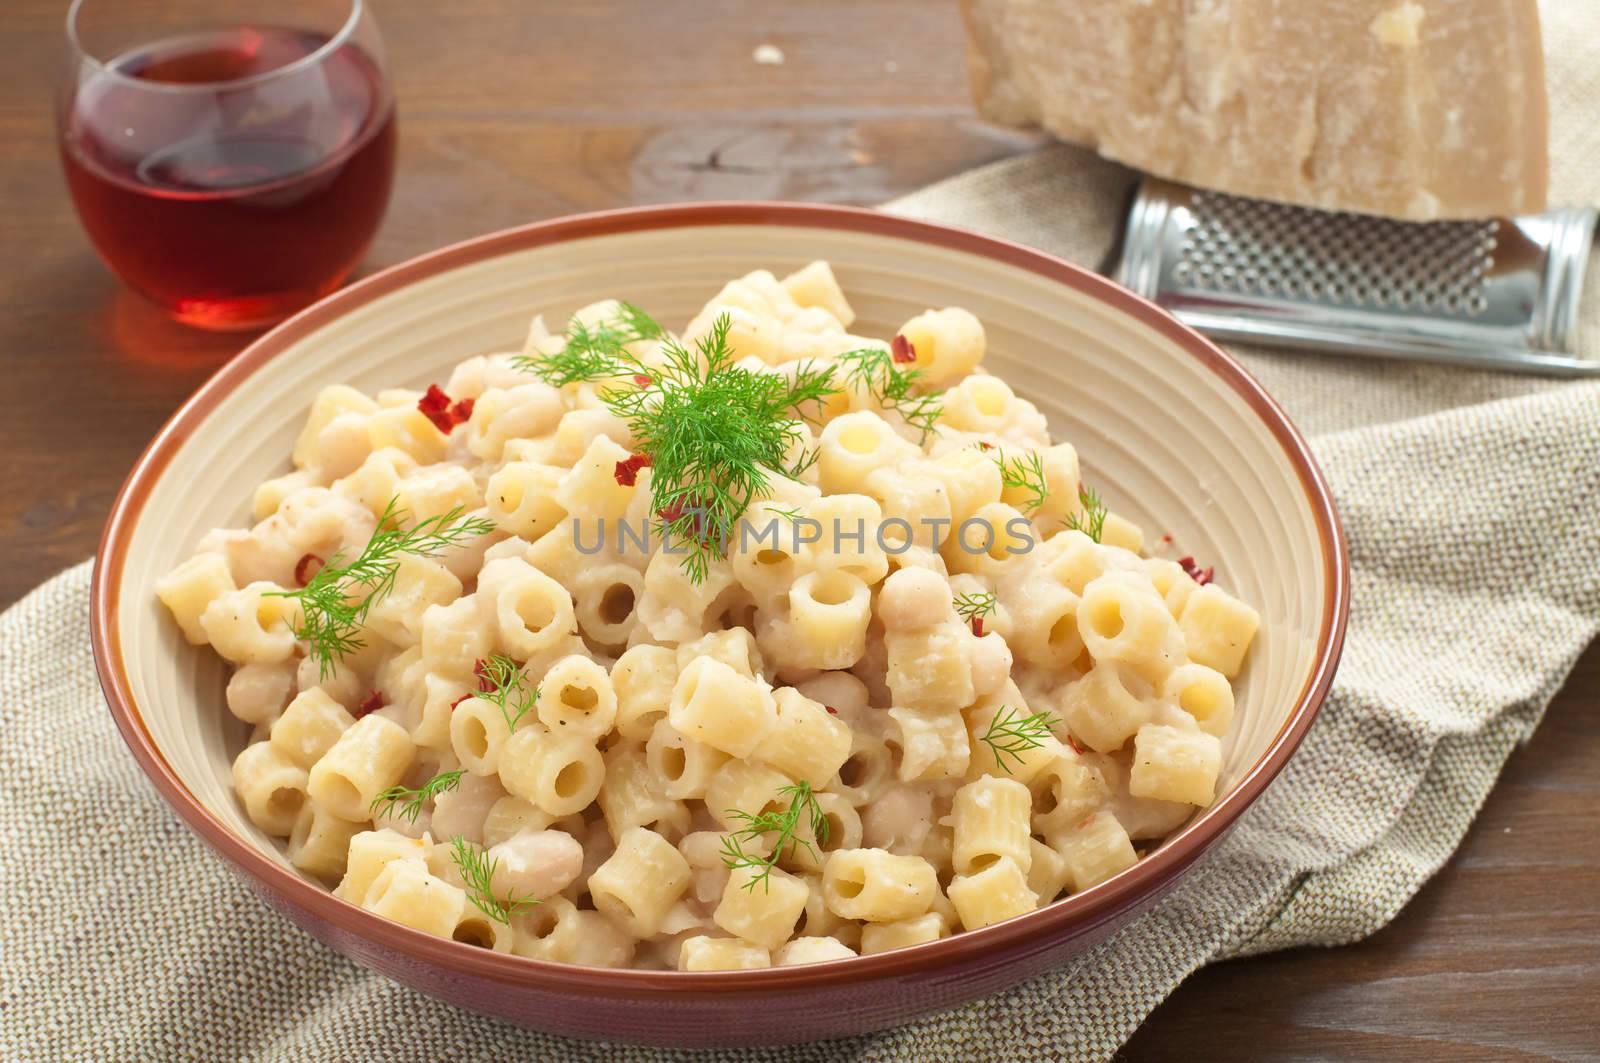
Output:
x=1416 y=109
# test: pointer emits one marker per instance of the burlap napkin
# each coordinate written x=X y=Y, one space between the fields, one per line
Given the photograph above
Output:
x=1472 y=503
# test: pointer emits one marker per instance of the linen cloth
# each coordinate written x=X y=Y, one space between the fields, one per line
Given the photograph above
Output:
x=1471 y=502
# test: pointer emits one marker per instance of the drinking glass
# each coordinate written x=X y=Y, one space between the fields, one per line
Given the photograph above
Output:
x=231 y=165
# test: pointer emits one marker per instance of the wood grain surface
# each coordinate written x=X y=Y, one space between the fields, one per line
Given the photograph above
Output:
x=515 y=110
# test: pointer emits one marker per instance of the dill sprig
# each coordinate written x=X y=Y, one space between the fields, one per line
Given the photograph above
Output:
x=716 y=433
x=1010 y=735
x=477 y=871
x=873 y=370
x=335 y=602
x=502 y=683
x=1025 y=473
x=413 y=800
x=1092 y=521
x=975 y=605
x=806 y=459
x=802 y=807
x=595 y=352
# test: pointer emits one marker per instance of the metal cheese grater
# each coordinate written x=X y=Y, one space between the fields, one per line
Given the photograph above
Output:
x=1499 y=294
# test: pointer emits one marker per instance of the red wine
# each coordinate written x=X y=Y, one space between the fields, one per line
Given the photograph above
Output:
x=232 y=202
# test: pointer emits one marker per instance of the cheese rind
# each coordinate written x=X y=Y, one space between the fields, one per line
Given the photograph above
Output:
x=1417 y=110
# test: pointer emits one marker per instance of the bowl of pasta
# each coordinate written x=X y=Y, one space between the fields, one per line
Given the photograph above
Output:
x=720 y=624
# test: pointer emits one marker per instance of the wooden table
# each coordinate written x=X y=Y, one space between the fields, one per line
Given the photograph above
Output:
x=513 y=111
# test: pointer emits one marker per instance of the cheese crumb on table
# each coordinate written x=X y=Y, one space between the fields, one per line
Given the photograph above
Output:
x=1398 y=26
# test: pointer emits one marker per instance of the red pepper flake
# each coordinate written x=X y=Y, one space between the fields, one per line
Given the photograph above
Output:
x=903 y=350
x=1077 y=746
x=985 y=446
x=305 y=568
x=831 y=710
x=1166 y=540
x=373 y=702
x=1086 y=821
x=1200 y=575
x=977 y=626
x=686 y=505
x=642 y=380
x=437 y=407
x=674 y=512
x=458 y=701
x=627 y=472
x=485 y=680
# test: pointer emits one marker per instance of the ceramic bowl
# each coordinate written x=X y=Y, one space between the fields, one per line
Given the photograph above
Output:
x=1180 y=438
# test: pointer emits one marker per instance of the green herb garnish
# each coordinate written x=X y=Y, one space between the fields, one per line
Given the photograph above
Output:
x=976 y=605
x=789 y=513
x=1092 y=521
x=1010 y=735
x=595 y=352
x=873 y=369
x=477 y=871
x=1025 y=473
x=502 y=683
x=411 y=801
x=716 y=433
x=335 y=602
x=802 y=806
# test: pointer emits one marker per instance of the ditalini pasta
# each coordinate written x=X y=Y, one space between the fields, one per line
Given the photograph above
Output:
x=762 y=645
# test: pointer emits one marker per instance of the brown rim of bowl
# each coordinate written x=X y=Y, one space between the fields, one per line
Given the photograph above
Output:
x=1079 y=911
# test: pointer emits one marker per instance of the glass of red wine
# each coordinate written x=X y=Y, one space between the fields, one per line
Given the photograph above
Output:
x=229 y=164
